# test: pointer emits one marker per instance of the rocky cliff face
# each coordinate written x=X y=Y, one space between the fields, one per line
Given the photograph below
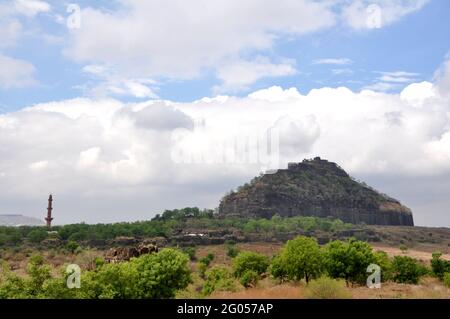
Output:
x=314 y=188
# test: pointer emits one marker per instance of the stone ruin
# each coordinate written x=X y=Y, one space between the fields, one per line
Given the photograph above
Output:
x=121 y=254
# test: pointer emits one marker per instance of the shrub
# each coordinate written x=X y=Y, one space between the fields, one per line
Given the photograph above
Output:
x=349 y=260
x=439 y=266
x=207 y=259
x=382 y=259
x=218 y=278
x=72 y=246
x=404 y=248
x=406 y=270
x=232 y=250
x=249 y=278
x=38 y=235
x=447 y=279
x=301 y=258
x=278 y=268
x=150 y=276
x=249 y=261
x=202 y=269
x=327 y=288
x=190 y=251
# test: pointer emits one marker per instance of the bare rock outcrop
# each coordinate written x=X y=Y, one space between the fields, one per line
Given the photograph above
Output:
x=314 y=188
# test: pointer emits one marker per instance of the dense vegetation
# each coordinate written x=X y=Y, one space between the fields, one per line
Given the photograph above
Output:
x=169 y=223
x=158 y=275
x=169 y=272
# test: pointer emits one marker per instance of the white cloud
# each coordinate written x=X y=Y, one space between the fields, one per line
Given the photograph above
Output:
x=15 y=73
x=239 y=75
x=373 y=14
x=333 y=61
x=121 y=154
x=179 y=39
x=388 y=81
x=108 y=83
x=31 y=7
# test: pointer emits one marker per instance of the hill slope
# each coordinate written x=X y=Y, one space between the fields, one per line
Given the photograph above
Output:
x=315 y=188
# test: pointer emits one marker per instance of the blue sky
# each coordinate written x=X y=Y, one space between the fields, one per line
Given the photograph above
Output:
x=415 y=43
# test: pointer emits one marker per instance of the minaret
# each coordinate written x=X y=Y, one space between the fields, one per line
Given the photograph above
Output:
x=49 y=212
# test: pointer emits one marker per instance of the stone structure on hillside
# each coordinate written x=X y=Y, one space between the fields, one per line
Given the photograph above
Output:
x=121 y=254
x=314 y=187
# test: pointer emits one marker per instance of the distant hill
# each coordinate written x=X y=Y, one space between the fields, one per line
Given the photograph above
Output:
x=315 y=187
x=19 y=220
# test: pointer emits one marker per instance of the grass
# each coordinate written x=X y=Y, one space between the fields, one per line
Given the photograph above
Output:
x=327 y=288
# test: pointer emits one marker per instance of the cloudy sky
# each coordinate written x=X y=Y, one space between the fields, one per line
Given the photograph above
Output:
x=124 y=108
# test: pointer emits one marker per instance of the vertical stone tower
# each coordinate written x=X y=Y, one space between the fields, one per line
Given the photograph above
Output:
x=49 y=212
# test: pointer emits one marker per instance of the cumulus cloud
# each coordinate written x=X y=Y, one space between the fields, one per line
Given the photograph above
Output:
x=103 y=157
x=15 y=73
x=180 y=40
x=31 y=7
x=201 y=34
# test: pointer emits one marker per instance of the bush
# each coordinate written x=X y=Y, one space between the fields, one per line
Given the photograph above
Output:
x=327 y=288
x=232 y=251
x=207 y=259
x=447 y=279
x=403 y=248
x=151 y=276
x=278 y=268
x=250 y=261
x=72 y=246
x=301 y=258
x=38 y=235
x=249 y=278
x=218 y=278
x=439 y=266
x=382 y=259
x=349 y=260
x=406 y=270
x=190 y=251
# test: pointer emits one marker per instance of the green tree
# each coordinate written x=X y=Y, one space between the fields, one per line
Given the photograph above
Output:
x=249 y=278
x=406 y=270
x=439 y=266
x=249 y=261
x=38 y=273
x=72 y=246
x=151 y=276
x=277 y=268
x=161 y=275
x=382 y=259
x=218 y=278
x=348 y=260
x=302 y=259
x=37 y=235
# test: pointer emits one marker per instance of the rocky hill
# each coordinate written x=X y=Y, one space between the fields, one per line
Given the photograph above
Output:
x=314 y=187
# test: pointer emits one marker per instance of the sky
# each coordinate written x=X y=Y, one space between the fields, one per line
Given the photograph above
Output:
x=125 y=108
